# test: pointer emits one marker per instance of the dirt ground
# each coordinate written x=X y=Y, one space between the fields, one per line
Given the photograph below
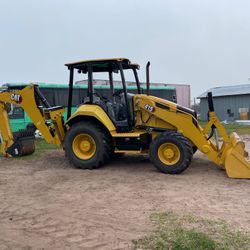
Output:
x=47 y=204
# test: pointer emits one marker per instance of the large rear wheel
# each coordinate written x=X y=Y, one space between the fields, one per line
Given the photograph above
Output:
x=87 y=145
x=171 y=152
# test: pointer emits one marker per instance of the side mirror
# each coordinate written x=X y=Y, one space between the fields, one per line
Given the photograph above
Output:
x=147 y=77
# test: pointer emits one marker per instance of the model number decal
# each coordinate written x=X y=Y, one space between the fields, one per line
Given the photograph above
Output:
x=15 y=97
x=149 y=108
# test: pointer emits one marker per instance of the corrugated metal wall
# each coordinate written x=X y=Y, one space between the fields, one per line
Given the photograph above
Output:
x=224 y=104
x=183 y=95
x=59 y=96
x=183 y=91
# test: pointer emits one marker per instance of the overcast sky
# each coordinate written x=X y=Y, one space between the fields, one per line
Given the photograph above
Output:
x=202 y=43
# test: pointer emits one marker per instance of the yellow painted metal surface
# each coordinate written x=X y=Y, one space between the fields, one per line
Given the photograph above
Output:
x=159 y=113
x=25 y=98
x=94 y=111
x=236 y=163
x=134 y=133
x=150 y=111
x=5 y=131
x=56 y=118
x=84 y=146
x=169 y=154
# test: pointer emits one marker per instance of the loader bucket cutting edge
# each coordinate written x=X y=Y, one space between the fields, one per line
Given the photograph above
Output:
x=236 y=163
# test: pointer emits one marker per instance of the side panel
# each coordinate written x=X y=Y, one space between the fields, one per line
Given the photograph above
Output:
x=93 y=111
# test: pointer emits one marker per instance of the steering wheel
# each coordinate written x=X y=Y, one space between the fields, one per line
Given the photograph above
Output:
x=118 y=92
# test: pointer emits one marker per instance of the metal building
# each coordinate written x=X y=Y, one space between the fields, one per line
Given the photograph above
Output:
x=181 y=95
x=230 y=102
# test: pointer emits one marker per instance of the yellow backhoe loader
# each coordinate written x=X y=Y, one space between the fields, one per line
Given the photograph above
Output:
x=120 y=123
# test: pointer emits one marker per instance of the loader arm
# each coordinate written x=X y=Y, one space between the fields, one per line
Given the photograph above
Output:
x=27 y=99
x=158 y=113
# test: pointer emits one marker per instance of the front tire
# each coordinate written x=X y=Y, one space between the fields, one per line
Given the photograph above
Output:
x=87 y=146
x=171 y=152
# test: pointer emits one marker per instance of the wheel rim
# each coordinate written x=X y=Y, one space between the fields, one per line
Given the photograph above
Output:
x=169 y=153
x=84 y=146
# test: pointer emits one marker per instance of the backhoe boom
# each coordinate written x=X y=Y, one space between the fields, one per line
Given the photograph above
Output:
x=27 y=98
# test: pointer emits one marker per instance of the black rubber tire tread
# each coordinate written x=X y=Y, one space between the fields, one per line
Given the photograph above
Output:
x=103 y=145
x=185 y=147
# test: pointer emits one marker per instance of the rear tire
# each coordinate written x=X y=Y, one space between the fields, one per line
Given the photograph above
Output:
x=87 y=146
x=171 y=152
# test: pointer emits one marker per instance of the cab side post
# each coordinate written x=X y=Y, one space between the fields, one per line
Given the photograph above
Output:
x=71 y=80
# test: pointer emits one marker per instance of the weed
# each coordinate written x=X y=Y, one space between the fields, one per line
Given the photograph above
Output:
x=187 y=232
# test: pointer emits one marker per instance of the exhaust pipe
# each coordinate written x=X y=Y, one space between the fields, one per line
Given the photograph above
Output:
x=210 y=101
x=147 y=77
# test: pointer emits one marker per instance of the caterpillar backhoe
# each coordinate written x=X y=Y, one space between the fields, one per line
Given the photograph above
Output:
x=121 y=122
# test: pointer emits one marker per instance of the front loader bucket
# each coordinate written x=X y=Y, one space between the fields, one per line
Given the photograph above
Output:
x=236 y=162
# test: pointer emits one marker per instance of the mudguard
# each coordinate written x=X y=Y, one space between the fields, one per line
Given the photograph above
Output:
x=93 y=111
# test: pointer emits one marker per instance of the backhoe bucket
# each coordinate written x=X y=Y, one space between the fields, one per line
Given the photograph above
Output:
x=24 y=143
x=236 y=162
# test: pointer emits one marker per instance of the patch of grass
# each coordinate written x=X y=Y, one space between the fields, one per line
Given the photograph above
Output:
x=239 y=129
x=186 y=232
x=40 y=147
x=232 y=127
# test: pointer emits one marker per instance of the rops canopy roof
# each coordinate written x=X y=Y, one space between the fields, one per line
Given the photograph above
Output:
x=102 y=65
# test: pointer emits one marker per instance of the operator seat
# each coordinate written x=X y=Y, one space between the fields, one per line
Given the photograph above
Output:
x=121 y=117
x=96 y=100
